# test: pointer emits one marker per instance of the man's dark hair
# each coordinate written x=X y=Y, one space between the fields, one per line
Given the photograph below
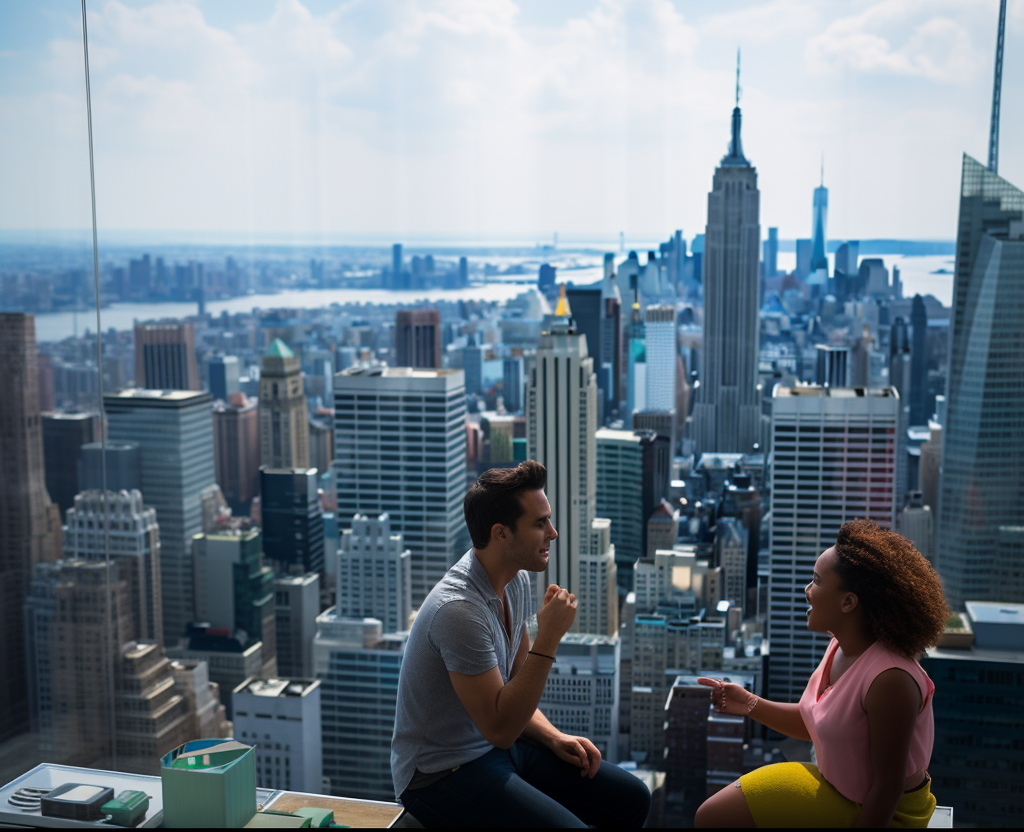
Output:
x=494 y=498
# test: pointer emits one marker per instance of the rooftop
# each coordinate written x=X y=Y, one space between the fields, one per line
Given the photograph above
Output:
x=811 y=390
x=275 y=688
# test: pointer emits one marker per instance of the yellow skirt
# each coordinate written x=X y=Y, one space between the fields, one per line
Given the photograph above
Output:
x=795 y=794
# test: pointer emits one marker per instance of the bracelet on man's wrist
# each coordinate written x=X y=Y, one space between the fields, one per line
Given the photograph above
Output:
x=542 y=655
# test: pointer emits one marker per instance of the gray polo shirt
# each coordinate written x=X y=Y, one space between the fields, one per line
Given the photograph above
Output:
x=458 y=628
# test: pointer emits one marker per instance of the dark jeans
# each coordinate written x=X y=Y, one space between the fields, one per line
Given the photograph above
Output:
x=528 y=786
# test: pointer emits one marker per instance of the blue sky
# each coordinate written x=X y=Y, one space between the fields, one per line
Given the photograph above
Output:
x=475 y=117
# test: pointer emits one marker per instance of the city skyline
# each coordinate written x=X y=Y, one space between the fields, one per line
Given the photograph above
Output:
x=599 y=115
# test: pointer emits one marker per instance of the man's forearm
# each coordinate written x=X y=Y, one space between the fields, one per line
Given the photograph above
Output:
x=539 y=728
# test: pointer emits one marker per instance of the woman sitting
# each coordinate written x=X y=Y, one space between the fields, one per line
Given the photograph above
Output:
x=868 y=706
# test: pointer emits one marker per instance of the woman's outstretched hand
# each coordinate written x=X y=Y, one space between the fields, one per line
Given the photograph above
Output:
x=729 y=698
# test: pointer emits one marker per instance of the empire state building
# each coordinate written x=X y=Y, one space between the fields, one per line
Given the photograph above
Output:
x=726 y=416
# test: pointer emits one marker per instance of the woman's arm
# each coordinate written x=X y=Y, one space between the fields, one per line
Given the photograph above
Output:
x=783 y=717
x=892 y=704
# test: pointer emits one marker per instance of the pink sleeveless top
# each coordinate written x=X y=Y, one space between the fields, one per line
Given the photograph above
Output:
x=838 y=723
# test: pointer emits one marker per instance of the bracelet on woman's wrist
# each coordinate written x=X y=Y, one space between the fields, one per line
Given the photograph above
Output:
x=542 y=655
x=750 y=705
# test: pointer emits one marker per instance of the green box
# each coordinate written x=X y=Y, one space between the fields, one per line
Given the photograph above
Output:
x=209 y=783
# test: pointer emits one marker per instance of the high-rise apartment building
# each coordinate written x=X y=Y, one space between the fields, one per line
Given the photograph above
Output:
x=64 y=434
x=358 y=666
x=174 y=432
x=30 y=530
x=983 y=444
x=374 y=573
x=284 y=417
x=165 y=356
x=296 y=606
x=293 y=524
x=281 y=717
x=633 y=470
x=561 y=417
x=400 y=449
x=835 y=459
x=118 y=522
x=418 y=338
x=727 y=415
x=236 y=450
x=234 y=590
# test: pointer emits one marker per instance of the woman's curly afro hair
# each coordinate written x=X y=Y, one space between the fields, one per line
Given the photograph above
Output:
x=897 y=588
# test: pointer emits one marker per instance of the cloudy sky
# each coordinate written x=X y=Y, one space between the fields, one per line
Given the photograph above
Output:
x=477 y=117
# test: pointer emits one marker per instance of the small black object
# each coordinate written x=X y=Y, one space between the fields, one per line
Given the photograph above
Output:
x=76 y=801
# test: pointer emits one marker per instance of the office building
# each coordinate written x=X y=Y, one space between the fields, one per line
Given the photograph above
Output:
x=281 y=718
x=174 y=432
x=561 y=419
x=118 y=522
x=983 y=445
x=979 y=746
x=732 y=548
x=662 y=357
x=224 y=376
x=165 y=356
x=374 y=573
x=418 y=338
x=292 y=521
x=30 y=530
x=358 y=666
x=473 y=357
x=920 y=412
x=284 y=418
x=835 y=459
x=234 y=590
x=632 y=479
x=64 y=434
x=581 y=696
x=400 y=449
x=598 y=314
x=916 y=524
x=296 y=606
x=208 y=717
x=771 y=253
x=236 y=450
x=513 y=383
x=727 y=414
x=636 y=361
x=123 y=466
x=819 y=237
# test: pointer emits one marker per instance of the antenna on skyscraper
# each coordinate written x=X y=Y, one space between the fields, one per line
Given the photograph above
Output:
x=993 y=136
x=738 y=61
x=823 y=170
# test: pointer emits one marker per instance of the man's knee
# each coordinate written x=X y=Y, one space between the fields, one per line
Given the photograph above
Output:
x=634 y=797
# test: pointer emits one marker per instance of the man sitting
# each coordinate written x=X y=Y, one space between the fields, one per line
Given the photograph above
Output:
x=471 y=747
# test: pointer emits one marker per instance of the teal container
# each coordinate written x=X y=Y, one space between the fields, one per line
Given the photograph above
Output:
x=209 y=783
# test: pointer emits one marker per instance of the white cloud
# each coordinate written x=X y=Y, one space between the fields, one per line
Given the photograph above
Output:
x=900 y=37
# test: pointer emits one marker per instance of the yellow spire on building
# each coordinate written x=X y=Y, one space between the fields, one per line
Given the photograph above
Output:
x=562 y=310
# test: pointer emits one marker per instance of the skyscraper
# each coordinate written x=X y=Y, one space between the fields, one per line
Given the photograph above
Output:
x=165 y=356
x=400 y=449
x=374 y=575
x=64 y=434
x=819 y=240
x=919 y=410
x=296 y=606
x=293 y=525
x=561 y=417
x=835 y=459
x=662 y=356
x=284 y=418
x=598 y=313
x=636 y=361
x=130 y=528
x=418 y=338
x=236 y=450
x=224 y=376
x=30 y=530
x=771 y=253
x=174 y=432
x=727 y=414
x=983 y=445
